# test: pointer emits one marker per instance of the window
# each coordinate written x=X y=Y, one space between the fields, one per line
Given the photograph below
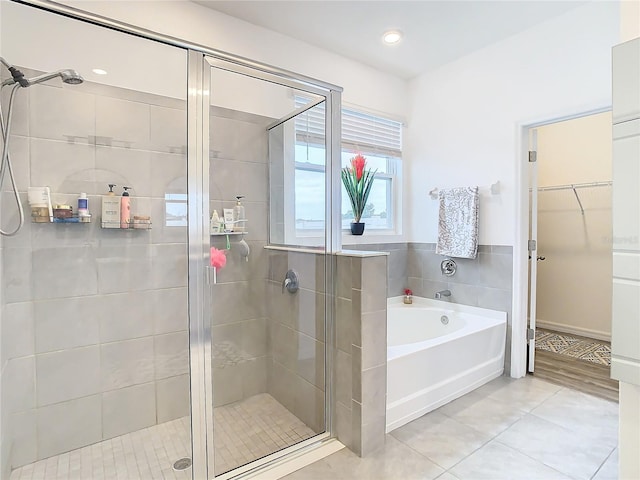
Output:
x=378 y=139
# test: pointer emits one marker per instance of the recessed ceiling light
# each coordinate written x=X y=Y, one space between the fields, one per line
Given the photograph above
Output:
x=99 y=71
x=392 y=37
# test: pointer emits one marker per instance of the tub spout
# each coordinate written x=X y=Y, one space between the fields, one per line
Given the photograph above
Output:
x=443 y=293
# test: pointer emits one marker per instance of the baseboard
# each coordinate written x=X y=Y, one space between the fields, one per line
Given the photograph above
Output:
x=583 y=332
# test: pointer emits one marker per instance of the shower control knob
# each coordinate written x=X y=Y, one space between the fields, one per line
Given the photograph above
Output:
x=290 y=282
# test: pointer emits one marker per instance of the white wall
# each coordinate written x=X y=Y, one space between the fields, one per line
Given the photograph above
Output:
x=363 y=86
x=464 y=117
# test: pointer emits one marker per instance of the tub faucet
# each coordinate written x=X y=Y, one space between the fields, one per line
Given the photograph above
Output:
x=443 y=293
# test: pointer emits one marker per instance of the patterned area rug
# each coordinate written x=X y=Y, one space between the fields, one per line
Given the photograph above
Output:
x=595 y=351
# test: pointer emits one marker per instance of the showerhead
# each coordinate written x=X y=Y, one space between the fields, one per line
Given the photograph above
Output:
x=68 y=76
x=71 y=77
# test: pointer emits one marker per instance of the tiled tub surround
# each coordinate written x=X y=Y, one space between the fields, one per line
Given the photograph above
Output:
x=361 y=350
x=485 y=281
x=95 y=321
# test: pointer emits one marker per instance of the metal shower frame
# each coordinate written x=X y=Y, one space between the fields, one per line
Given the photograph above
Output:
x=201 y=60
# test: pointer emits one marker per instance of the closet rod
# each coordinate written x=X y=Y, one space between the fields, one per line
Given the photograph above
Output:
x=575 y=185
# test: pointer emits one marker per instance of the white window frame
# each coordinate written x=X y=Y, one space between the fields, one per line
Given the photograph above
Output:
x=392 y=149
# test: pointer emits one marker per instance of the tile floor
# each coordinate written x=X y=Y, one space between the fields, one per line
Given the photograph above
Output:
x=246 y=430
x=508 y=429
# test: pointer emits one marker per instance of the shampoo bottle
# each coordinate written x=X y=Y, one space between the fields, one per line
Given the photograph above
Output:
x=83 y=208
x=238 y=216
x=125 y=208
x=214 y=226
x=110 y=209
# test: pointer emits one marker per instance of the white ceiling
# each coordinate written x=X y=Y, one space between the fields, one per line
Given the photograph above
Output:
x=435 y=32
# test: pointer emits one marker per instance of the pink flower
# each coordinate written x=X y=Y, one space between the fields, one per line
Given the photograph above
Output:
x=357 y=163
x=218 y=258
x=407 y=291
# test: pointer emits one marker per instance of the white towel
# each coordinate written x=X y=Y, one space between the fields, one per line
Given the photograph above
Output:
x=458 y=222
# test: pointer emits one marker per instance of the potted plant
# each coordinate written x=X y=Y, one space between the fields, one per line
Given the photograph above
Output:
x=357 y=182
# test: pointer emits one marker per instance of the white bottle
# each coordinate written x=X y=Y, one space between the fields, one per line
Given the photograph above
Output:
x=110 y=209
x=214 y=226
x=83 y=208
x=238 y=216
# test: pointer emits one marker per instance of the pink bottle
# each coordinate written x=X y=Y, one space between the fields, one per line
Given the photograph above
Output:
x=125 y=209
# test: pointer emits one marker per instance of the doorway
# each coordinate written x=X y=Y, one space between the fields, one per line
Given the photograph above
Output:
x=570 y=263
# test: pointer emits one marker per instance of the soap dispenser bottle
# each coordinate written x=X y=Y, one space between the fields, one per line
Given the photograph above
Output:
x=110 y=209
x=125 y=208
x=238 y=216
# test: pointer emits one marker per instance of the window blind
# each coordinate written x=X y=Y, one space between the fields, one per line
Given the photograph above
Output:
x=360 y=131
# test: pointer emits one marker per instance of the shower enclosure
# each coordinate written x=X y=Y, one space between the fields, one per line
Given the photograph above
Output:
x=125 y=352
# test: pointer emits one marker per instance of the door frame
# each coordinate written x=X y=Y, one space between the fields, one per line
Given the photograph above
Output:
x=521 y=237
x=200 y=67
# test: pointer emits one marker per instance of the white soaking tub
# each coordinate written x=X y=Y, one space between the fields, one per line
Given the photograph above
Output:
x=432 y=360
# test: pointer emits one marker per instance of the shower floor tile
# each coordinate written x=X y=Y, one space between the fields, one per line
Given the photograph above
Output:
x=144 y=454
x=245 y=431
x=252 y=428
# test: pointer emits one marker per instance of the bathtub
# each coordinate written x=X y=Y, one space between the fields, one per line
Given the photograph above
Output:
x=430 y=363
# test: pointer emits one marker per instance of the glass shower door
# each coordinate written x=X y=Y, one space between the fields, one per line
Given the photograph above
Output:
x=268 y=304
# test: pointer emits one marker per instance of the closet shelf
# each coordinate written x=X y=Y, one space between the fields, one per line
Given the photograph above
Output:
x=575 y=187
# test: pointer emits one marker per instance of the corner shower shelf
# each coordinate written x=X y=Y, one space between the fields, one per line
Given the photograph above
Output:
x=132 y=226
x=72 y=220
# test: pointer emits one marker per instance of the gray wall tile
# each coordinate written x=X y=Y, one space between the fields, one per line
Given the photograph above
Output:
x=374 y=339
x=172 y=398
x=17 y=331
x=69 y=425
x=124 y=316
x=374 y=285
x=128 y=409
x=343 y=423
x=227 y=385
x=16 y=275
x=67 y=374
x=23 y=433
x=310 y=360
x=343 y=374
x=255 y=376
x=65 y=323
x=170 y=310
x=122 y=122
x=127 y=363
x=167 y=128
x=18 y=387
x=65 y=167
x=64 y=272
x=171 y=354
x=46 y=121
x=124 y=167
x=344 y=329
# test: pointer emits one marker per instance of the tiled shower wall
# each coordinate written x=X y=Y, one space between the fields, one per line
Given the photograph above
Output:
x=296 y=375
x=95 y=321
x=238 y=166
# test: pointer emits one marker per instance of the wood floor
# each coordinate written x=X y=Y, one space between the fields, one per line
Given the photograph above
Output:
x=581 y=375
